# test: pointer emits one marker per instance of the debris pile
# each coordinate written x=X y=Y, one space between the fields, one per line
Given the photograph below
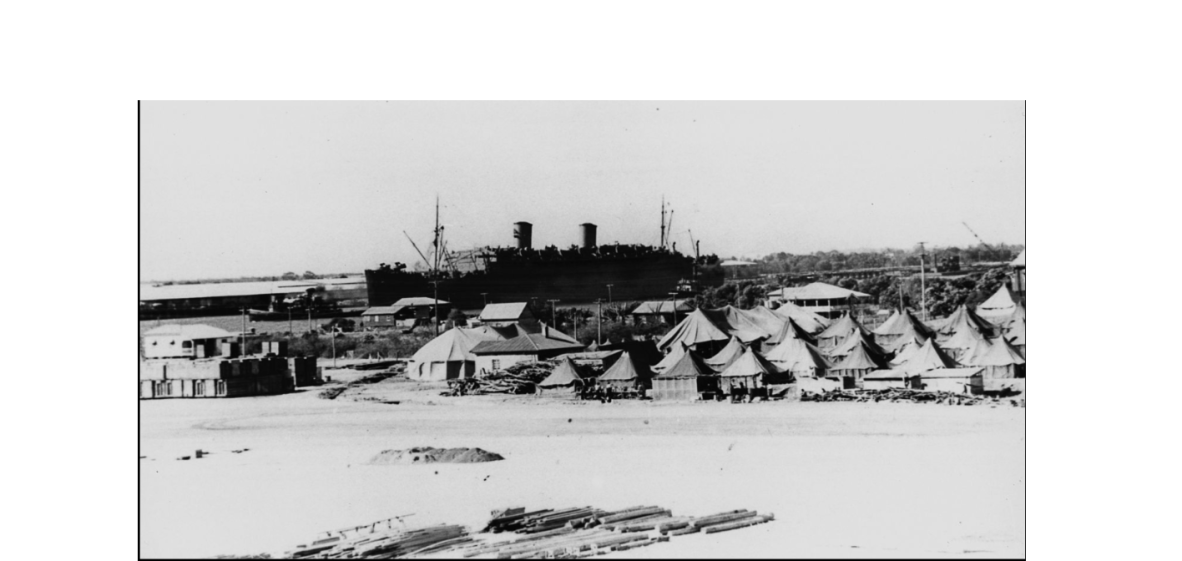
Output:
x=559 y=534
x=426 y=455
x=517 y=379
x=386 y=543
x=914 y=396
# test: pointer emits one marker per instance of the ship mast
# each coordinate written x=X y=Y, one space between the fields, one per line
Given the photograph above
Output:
x=662 y=222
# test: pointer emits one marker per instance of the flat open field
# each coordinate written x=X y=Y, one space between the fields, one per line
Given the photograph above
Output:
x=844 y=479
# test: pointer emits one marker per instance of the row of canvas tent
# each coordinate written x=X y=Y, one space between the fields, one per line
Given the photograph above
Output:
x=964 y=350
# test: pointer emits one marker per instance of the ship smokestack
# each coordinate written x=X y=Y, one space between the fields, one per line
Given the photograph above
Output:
x=523 y=232
x=588 y=235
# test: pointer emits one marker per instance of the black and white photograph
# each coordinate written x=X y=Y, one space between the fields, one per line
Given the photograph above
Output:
x=566 y=329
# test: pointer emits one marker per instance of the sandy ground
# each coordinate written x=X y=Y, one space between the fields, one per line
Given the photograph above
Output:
x=860 y=480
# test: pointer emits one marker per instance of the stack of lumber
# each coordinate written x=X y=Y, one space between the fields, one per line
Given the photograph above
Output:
x=385 y=544
x=517 y=379
x=902 y=395
x=566 y=533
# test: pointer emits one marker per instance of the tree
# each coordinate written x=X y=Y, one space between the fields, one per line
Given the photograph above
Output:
x=290 y=276
x=309 y=275
x=457 y=318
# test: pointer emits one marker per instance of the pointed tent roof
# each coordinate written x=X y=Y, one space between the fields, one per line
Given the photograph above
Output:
x=1003 y=299
x=903 y=323
x=999 y=352
x=679 y=350
x=626 y=369
x=1016 y=334
x=694 y=329
x=860 y=359
x=810 y=321
x=750 y=364
x=856 y=339
x=905 y=348
x=454 y=345
x=690 y=366
x=1020 y=261
x=964 y=318
x=928 y=357
x=565 y=374
x=841 y=328
x=791 y=330
x=737 y=323
x=730 y=353
x=798 y=354
x=963 y=339
x=767 y=320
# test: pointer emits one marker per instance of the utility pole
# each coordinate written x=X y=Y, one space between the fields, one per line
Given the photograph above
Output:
x=923 y=290
x=333 y=335
x=436 y=310
x=554 y=312
x=609 y=294
x=485 y=296
x=244 y=331
x=599 y=323
x=309 y=319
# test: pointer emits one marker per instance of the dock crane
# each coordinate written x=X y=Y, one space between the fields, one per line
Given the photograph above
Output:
x=987 y=246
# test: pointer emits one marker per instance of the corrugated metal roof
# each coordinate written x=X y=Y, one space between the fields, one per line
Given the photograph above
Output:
x=505 y=312
x=530 y=343
x=817 y=291
x=383 y=310
x=666 y=307
x=420 y=301
x=189 y=332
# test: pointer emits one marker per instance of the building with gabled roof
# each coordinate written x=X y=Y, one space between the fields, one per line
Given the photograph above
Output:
x=823 y=299
x=183 y=341
x=504 y=314
x=526 y=347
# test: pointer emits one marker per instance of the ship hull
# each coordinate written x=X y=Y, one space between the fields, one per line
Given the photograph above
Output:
x=577 y=282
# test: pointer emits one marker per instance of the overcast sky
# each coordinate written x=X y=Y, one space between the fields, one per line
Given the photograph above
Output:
x=261 y=188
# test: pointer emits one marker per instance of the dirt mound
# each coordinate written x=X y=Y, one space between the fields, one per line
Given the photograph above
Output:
x=420 y=455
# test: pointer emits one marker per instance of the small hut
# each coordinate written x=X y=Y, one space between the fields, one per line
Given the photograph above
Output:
x=566 y=379
x=729 y=354
x=800 y=358
x=685 y=381
x=852 y=369
x=810 y=321
x=748 y=372
x=954 y=380
x=1001 y=362
x=891 y=379
x=627 y=375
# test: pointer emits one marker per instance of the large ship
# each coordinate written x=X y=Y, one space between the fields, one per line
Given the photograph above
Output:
x=580 y=274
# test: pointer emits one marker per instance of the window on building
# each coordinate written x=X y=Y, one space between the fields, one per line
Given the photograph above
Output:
x=186 y=344
x=496 y=364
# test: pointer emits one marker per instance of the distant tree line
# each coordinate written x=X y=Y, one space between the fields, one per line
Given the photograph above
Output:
x=834 y=261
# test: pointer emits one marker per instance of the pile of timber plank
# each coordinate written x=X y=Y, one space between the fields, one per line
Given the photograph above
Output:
x=566 y=533
x=517 y=379
x=384 y=544
x=903 y=395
